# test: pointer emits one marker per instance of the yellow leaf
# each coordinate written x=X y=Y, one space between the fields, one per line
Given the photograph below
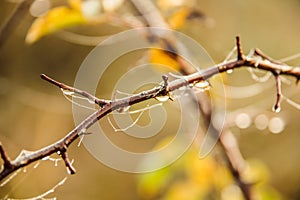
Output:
x=179 y=18
x=56 y=19
x=75 y=4
x=163 y=61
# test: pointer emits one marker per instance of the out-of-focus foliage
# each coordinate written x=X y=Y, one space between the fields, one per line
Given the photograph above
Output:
x=208 y=178
x=77 y=12
x=160 y=57
x=56 y=19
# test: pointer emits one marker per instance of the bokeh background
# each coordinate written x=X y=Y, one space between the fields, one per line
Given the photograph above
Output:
x=34 y=114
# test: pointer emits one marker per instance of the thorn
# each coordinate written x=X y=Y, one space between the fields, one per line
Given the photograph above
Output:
x=240 y=55
x=65 y=157
x=276 y=107
x=5 y=158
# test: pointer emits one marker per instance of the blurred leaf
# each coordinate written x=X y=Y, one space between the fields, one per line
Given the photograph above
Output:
x=152 y=184
x=56 y=19
x=184 y=190
x=268 y=193
x=181 y=16
x=161 y=57
x=256 y=172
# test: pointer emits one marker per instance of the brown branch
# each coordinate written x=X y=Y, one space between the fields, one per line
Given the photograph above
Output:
x=5 y=158
x=276 y=107
x=62 y=86
x=240 y=55
x=259 y=53
x=62 y=144
x=64 y=155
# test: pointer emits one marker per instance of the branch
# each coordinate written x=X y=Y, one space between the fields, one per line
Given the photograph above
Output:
x=233 y=155
x=62 y=144
x=276 y=107
x=5 y=158
x=65 y=87
x=240 y=55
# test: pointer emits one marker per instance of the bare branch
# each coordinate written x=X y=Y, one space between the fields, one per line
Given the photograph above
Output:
x=258 y=52
x=240 y=55
x=68 y=164
x=276 y=107
x=5 y=158
x=63 y=86
x=62 y=144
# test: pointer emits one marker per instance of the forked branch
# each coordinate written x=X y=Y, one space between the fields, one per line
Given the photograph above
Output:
x=107 y=106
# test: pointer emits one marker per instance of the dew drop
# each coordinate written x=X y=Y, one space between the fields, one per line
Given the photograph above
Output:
x=162 y=98
x=91 y=101
x=204 y=85
x=277 y=109
x=58 y=152
x=24 y=170
x=67 y=92
x=123 y=109
x=84 y=130
x=229 y=71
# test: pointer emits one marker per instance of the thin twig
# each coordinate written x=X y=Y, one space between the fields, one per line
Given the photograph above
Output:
x=65 y=157
x=5 y=158
x=240 y=55
x=258 y=52
x=92 y=98
x=278 y=95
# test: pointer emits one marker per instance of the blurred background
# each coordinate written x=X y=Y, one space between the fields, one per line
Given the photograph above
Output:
x=34 y=114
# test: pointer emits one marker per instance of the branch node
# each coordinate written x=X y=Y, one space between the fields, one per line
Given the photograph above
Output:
x=240 y=55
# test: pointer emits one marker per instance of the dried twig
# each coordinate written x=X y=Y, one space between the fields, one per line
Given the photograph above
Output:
x=62 y=144
x=62 y=86
x=278 y=95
